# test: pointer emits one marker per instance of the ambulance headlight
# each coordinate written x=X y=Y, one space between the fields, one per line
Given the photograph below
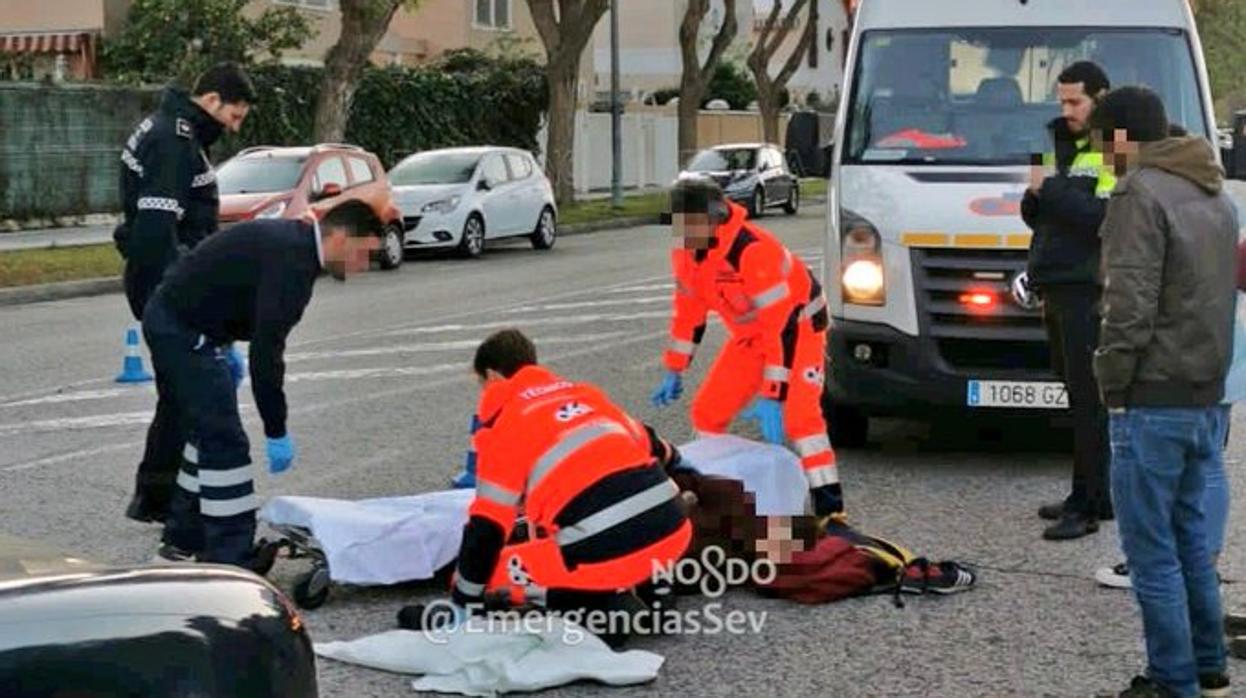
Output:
x=862 y=277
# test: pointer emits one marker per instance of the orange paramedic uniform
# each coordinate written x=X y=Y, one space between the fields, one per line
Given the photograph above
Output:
x=776 y=314
x=600 y=509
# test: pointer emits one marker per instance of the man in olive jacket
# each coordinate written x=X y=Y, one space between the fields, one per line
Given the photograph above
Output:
x=1169 y=238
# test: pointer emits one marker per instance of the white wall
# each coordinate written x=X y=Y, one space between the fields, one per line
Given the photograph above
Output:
x=650 y=150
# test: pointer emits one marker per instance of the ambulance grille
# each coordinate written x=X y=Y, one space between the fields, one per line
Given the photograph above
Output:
x=1004 y=336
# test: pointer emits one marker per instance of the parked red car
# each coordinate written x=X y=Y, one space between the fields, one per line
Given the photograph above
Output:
x=270 y=182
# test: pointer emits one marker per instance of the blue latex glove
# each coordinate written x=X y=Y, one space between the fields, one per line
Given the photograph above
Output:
x=237 y=365
x=670 y=390
x=769 y=416
x=280 y=454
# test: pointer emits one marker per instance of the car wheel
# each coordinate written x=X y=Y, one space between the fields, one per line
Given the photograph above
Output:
x=793 y=201
x=757 y=204
x=546 y=232
x=391 y=252
x=312 y=589
x=472 y=242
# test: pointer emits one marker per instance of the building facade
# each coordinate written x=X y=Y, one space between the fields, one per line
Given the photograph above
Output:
x=55 y=40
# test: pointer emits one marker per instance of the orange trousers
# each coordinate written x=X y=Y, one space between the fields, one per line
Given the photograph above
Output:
x=527 y=569
x=736 y=376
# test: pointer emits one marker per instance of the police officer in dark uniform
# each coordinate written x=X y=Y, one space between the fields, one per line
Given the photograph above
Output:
x=170 y=204
x=252 y=283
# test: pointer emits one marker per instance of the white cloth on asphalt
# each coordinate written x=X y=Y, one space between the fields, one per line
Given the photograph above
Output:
x=771 y=472
x=379 y=541
x=479 y=660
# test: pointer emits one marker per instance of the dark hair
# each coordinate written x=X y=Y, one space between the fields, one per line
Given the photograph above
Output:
x=1137 y=110
x=698 y=194
x=1089 y=74
x=354 y=217
x=505 y=351
x=229 y=81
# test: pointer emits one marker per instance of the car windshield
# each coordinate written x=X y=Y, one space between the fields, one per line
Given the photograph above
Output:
x=434 y=168
x=259 y=175
x=985 y=96
x=722 y=159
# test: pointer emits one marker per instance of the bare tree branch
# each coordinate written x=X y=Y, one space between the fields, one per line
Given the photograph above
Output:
x=542 y=12
x=793 y=61
x=722 y=40
x=688 y=31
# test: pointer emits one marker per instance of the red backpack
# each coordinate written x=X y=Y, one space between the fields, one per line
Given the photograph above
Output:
x=835 y=569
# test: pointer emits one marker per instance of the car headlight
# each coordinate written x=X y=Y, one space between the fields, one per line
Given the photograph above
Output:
x=272 y=210
x=862 y=260
x=441 y=205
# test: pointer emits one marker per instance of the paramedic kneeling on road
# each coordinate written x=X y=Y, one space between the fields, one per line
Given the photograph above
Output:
x=250 y=283
x=776 y=314
x=600 y=510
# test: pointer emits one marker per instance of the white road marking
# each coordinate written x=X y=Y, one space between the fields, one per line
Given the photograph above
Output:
x=72 y=455
x=455 y=345
x=649 y=287
x=545 y=307
x=76 y=423
x=81 y=396
x=534 y=322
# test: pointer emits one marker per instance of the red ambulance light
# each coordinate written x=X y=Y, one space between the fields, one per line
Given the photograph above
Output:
x=978 y=300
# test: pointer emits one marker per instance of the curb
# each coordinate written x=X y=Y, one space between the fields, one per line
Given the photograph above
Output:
x=37 y=293
x=20 y=295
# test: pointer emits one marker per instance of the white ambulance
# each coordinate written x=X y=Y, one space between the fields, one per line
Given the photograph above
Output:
x=925 y=247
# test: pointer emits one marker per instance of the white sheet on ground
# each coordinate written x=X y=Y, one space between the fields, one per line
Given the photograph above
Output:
x=380 y=541
x=398 y=539
x=772 y=473
x=478 y=660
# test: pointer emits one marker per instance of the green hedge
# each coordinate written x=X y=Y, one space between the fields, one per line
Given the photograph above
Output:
x=466 y=98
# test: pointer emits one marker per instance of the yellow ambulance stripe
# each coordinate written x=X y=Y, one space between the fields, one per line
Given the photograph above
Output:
x=1012 y=241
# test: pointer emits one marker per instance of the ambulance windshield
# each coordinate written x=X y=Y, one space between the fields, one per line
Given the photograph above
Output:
x=985 y=96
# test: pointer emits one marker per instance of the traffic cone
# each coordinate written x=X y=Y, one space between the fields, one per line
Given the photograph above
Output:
x=467 y=478
x=132 y=365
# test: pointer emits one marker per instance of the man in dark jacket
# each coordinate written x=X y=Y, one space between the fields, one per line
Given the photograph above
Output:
x=249 y=283
x=170 y=204
x=1065 y=211
x=1169 y=239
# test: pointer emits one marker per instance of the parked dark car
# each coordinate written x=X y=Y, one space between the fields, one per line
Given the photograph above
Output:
x=752 y=174
x=71 y=628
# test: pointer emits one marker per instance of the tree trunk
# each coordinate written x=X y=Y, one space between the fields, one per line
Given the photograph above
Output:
x=690 y=93
x=768 y=104
x=560 y=150
x=337 y=92
x=363 y=25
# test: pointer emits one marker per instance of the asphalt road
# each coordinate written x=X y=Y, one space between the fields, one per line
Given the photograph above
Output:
x=380 y=398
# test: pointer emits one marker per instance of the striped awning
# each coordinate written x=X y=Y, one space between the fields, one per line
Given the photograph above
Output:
x=45 y=42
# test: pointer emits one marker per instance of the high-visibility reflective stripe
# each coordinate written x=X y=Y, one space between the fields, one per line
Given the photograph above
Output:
x=536 y=594
x=813 y=307
x=617 y=513
x=131 y=162
x=190 y=454
x=188 y=482
x=203 y=179
x=226 y=478
x=680 y=346
x=573 y=441
x=787 y=262
x=160 y=203
x=496 y=493
x=468 y=588
x=772 y=295
x=775 y=373
x=810 y=445
x=824 y=475
x=220 y=508
x=684 y=290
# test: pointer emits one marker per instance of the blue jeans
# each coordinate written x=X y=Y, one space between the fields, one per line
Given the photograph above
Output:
x=1161 y=458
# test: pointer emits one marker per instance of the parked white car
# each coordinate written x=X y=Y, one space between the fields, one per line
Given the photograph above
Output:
x=462 y=197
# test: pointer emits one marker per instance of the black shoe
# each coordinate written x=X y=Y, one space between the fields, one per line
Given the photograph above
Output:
x=1051 y=512
x=1237 y=647
x=144 y=510
x=1071 y=525
x=1106 y=513
x=1142 y=687
x=171 y=553
x=945 y=577
x=1214 y=685
x=263 y=557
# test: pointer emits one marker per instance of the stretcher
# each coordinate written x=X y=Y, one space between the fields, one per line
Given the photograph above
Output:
x=391 y=540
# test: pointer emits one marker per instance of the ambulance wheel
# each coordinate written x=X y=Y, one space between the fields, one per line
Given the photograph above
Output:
x=546 y=231
x=472 y=243
x=757 y=203
x=312 y=589
x=793 y=201
x=391 y=252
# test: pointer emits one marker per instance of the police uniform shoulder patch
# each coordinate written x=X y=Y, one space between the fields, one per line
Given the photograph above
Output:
x=184 y=129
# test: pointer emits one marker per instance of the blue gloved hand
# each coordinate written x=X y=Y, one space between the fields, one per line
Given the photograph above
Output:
x=670 y=390
x=769 y=416
x=280 y=454
x=237 y=365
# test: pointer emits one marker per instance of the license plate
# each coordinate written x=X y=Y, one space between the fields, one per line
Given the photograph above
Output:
x=1017 y=394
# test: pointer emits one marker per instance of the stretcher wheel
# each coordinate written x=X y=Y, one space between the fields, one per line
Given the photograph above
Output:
x=312 y=589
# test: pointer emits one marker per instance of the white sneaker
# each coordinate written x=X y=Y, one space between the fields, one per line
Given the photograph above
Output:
x=1115 y=577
